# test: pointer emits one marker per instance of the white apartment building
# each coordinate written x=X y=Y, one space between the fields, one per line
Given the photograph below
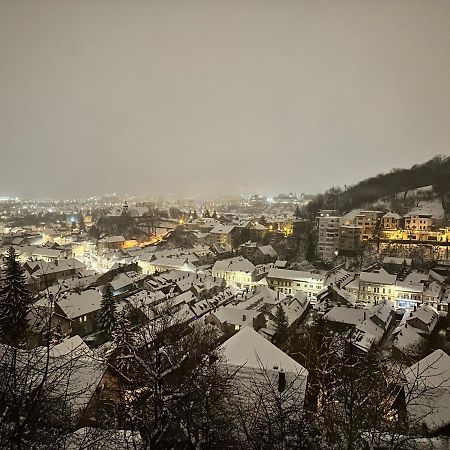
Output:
x=329 y=222
x=290 y=282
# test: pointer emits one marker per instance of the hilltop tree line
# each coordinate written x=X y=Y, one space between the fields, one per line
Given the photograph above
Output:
x=435 y=172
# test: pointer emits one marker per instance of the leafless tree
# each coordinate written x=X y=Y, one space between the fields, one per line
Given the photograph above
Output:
x=171 y=389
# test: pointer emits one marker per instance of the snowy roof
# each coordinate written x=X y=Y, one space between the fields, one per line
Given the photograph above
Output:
x=258 y=226
x=268 y=250
x=346 y=315
x=398 y=261
x=381 y=277
x=46 y=252
x=382 y=312
x=112 y=239
x=201 y=307
x=60 y=265
x=407 y=339
x=362 y=339
x=295 y=275
x=434 y=289
x=392 y=215
x=184 y=314
x=416 y=277
x=144 y=300
x=222 y=229
x=338 y=276
x=280 y=264
x=235 y=316
x=427 y=390
x=79 y=304
x=123 y=280
x=259 y=296
x=295 y=307
x=185 y=297
x=72 y=371
x=236 y=264
x=248 y=348
x=426 y=314
x=176 y=263
x=346 y=295
x=352 y=214
x=73 y=344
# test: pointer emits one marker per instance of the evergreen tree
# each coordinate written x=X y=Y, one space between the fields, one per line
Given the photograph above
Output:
x=15 y=302
x=281 y=324
x=81 y=223
x=124 y=340
x=107 y=318
x=310 y=248
x=94 y=232
x=215 y=216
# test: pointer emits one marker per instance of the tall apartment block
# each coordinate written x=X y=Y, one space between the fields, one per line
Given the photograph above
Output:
x=328 y=245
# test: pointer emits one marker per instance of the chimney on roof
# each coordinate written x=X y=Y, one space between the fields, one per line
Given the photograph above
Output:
x=244 y=317
x=364 y=315
x=281 y=381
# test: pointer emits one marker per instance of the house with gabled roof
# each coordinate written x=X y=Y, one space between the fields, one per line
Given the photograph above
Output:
x=238 y=271
x=258 y=362
x=426 y=392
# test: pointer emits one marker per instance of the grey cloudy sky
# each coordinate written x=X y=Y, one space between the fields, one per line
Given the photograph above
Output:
x=205 y=97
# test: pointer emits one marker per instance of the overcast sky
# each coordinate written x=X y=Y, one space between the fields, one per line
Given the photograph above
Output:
x=205 y=97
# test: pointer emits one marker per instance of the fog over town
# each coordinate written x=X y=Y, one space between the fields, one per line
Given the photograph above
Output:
x=224 y=225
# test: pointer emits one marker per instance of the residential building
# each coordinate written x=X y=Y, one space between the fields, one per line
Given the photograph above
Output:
x=292 y=281
x=373 y=286
x=165 y=264
x=111 y=243
x=231 y=319
x=42 y=274
x=237 y=272
x=391 y=221
x=82 y=309
x=222 y=235
x=255 y=361
x=426 y=393
x=418 y=222
x=328 y=243
x=350 y=239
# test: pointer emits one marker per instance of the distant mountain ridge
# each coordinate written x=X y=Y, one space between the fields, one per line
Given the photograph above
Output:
x=366 y=193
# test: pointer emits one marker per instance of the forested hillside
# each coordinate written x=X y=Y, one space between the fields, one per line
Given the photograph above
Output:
x=435 y=172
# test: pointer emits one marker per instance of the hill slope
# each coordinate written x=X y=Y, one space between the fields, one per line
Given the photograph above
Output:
x=366 y=193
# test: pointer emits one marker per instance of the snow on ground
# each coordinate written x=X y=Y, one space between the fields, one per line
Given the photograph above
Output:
x=433 y=207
